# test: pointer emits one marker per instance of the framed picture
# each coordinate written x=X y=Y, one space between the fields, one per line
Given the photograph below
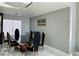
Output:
x=41 y=22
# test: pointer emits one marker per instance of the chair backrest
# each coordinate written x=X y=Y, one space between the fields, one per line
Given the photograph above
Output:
x=0 y=38
x=9 y=39
x=17 y=34
x=30 y=39
x=43 y=38
x=3 y=38
x=36 y=40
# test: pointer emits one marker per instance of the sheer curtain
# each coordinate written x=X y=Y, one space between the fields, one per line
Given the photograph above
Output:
x=10 y=26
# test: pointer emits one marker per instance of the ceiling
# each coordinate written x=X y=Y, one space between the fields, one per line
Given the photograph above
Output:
x=35 y=9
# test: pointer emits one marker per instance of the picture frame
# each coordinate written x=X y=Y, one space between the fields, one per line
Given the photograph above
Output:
x=41 y=22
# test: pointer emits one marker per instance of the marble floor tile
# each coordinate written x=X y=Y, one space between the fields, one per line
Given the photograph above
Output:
x=4 y=51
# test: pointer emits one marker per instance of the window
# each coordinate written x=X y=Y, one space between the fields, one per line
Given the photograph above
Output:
x=10 y=26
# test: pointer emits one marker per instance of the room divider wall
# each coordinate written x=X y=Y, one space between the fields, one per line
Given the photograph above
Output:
x=1 y=27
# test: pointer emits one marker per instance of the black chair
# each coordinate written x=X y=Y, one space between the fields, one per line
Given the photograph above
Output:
x=31 y=37
x=36 y=42
x=42 y=39
x=0 y=38
x=17 y=34
x=11 y=42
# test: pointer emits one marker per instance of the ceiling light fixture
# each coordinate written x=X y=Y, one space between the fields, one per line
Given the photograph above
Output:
x=19 y=4
x=28 y=4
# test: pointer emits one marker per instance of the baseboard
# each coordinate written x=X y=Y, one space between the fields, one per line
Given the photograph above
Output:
x=55 y=51
x=76 y=53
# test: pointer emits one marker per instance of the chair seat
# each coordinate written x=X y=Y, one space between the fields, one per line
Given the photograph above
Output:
x=14 y=44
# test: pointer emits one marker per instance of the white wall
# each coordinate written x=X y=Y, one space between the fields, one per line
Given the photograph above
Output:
x=25 y=22
x=56 y=29
x=77 y=39
x=72 y=31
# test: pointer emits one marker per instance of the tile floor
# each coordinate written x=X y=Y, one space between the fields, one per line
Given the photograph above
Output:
x=42 y=52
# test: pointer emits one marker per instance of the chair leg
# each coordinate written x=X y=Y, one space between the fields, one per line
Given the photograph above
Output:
x=33 y=50
x=42 y=47
x=35 y=53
